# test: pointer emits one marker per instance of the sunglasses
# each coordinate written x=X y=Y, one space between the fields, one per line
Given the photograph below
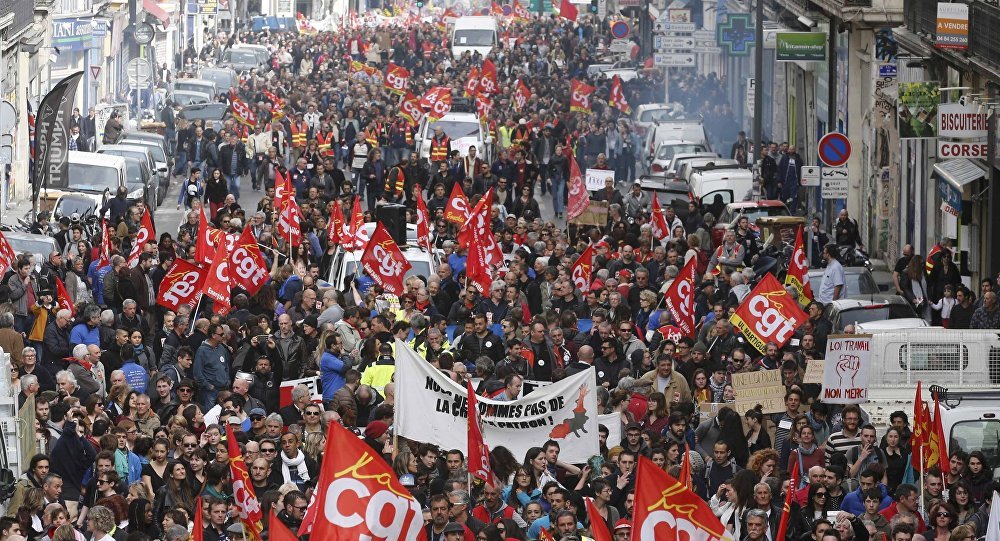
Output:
x=184 y=390
x=103 y=482
x=190 y=445
x=269 y=450
x=256 y=417
x=944 y=514
x=311 y=413
x=821 y=494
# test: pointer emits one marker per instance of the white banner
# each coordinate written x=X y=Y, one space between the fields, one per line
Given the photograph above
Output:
x=614 y=423
x=595 y=178
x=846 y=369
x=432 y=408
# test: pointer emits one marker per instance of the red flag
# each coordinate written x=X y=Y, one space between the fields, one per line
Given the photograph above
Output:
x=7 y=255
x=62 y=297
x=658 y=221
x=484 y=105
x=472 y=83
x=409 y=109
x=384 y=262
x=477 y=270
x=105 y=251
x=798 y=270
x=277 y=531
x=579 y=199
x=567 y=10
x=335 y=229
x=479 y=218
x=685 y=474
x=208 y=239
x=359 y=496
x=496 y=10
x=582 y=269
x=598 y=528
x=282 y=190
x=786 y=510
x=247 y=266
x=217 y=281
x=544 y=535
x=616 y=98
x=397 y=78
x=437 y=102
x=521 y=95
x=921 y=428
x=290 y=224
x=680 y=297
x=479 y=453
x=488 y=78
x=423 y=223
x=243 y=492
x=938 y=443
x=666 y=509
x=243 y=113
x=181 y=285
x=768 y=314
x=352 y=230
x=520 y=12
x=457 y=209
x=580 y=92
x=198 y=530
x=146 y=233
x=671 y=332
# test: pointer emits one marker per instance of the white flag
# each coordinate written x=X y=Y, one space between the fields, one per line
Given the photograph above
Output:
x=993 y=529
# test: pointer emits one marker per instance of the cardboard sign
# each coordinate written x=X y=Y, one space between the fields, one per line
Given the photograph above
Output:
x=814 y=371
x=845 y=374
x=762 y=387
x=595 y=178
x=596 y=214
x=285 y=391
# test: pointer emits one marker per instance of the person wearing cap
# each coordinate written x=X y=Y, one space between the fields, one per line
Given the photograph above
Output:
x=377 y=437
x=623 y=530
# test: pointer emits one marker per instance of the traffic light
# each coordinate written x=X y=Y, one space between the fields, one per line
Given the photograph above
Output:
x=420 y=3
x=593 y=6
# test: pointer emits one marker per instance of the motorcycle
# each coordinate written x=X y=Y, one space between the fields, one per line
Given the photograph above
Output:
x=854 y=256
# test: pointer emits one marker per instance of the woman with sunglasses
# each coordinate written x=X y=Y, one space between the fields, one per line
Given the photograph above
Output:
x=942 y=520
x=312 y=420
x=815 y=508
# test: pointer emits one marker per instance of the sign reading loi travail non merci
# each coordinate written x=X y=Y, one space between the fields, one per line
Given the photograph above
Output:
x=952 y=26
x=846 y=369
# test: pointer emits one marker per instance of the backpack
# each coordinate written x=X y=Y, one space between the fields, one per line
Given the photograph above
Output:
x=703 y=259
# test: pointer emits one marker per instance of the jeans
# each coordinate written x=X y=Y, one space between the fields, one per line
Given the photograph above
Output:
x=558 y=193
x=234 y=185
x=180 y=163
x=391 y=156
x=171 y=139
x=359 y=184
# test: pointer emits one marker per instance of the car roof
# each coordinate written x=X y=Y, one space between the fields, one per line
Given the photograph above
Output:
x=864 y=301
x=93 y=158
x=847 y=270
x=21 y=235
x=893 y=324
x=762 y=203
x=144 y=149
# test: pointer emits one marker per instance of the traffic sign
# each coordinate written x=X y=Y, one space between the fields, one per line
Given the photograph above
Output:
x=704 y=34
x=620 y=30
x=706 y=50
x=95 y=71
x=140 y=73
x=672 y=42
x=662 y=27
x=751 y=98
x=144 y=33
x=834 y=183
x=810 y=175
x=834 y=149
x=681 y=60
x=620 y=46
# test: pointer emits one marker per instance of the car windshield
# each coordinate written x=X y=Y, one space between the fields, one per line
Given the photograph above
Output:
x=133 y=174
x=418 y=268
x=190 y=99
x=240 y=56
x=222 y=79
x=455 y=129
x=206 y=111
x=68 y=205
x=473 y=37
x=654 y=115
x=759 y=212
x=32 y=246
x=667 y=152
x=882 y=312
x=192 y=86
x=93 y=178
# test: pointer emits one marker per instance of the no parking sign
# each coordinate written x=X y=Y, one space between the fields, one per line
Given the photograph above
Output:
x=620 y=29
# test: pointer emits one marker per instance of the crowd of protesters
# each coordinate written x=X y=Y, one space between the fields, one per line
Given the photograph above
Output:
x=132 y=402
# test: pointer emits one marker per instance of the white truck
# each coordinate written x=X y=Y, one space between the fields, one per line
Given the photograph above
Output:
x=474 y=34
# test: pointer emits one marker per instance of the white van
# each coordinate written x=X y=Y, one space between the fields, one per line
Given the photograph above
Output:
x=722 y=181
x=687 y=131
x=96 y=176
x=474 y=34
x=463 y=129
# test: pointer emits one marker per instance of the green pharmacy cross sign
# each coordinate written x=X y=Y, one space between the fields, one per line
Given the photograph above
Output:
x=800 y=46
x=736 y=34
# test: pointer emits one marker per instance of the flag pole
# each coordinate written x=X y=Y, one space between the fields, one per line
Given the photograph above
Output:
x=194 y=315
x=921 y=505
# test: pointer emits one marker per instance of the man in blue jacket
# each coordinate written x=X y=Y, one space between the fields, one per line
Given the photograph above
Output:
x=331 y=367
x=854 y=503
x=211 y=366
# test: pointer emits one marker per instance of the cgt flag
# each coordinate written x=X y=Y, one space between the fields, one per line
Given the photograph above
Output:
x=359 y=497
x=290 y=224
x=798 y=270
x=616 y=98
x=243 y=492
x=478 y=452
x=658 y=221
x=217 y=282
x=105 y=251
x=384 y=262
x=181 y=285
x=521 y=95
x=666 y=509
x=579 y=199
x=146 y=233
x=423 y=224
x=457 y=209
x=62 y=297
x=472 y=83
x=247 y=266
x=437 y=102
x=52 y=132
x=582 y=269
x=397 y=79
x=580 y=92
x=7 y=255
x=680 y=297
x=488 y=78
x=768 y=314
x=409 y=109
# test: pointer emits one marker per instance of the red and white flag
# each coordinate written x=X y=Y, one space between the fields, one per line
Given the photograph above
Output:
x=582 y=269
x=567 y=10
x=62 y=297
x=658 y=221
x=666 y=509
x=7 y=255
x=798 y=270
x=145 y=233
x=457 y=209
x=247 y=266
x=409 y=109
x=217 y=281
x=290 y=224
x=479 y=453
x=423 y=224
x=437 y=102
x=488 y=78
x=680 y=297
x=477 y=269
x=181 y=285
x=335 y=228
x=521 y=95
x=520 y=12
x=616 y=98
x=579 y=198
x=472 y=82
x=384 y=261
x=352 y=230
x=244 y=495
x=105 y=250
x=358 y=496
x=282 y=190
x=580 y=92
x=397 y=78
x=242 y=112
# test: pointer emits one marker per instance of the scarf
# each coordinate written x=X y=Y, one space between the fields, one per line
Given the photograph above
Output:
x=806 y=451
x=299 y=463
x=139 y=350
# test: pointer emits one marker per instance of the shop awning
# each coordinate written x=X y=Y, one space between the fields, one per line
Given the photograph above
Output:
x=155 y=10
x=959 y=172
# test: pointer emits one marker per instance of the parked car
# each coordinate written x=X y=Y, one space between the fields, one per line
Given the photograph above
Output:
x=872 y=308
x=859 y=281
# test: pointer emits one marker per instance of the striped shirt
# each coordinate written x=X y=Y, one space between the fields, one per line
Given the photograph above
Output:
x=838 y=442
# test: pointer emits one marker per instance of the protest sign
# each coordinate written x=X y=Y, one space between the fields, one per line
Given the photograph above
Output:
x=595 y=178
x=432 y=408
x=848 y=362
x=595 y=214
x=285 y=391
x=762 y=387
x=814 y=371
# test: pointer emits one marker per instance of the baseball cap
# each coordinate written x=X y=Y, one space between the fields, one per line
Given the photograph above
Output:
x=622 y=524
x=633 y=425
x=258 y=411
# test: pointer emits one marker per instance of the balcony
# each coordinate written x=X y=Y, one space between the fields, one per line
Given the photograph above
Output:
x=920 y=16
x=984 y=19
